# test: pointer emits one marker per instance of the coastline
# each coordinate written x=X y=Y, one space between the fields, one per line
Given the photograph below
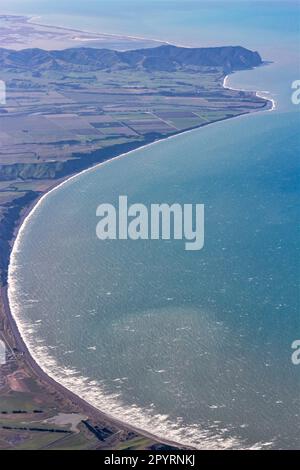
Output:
x=76 y=400
x=6 y=295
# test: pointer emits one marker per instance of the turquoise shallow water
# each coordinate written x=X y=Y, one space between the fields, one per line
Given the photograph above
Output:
x=193 y=346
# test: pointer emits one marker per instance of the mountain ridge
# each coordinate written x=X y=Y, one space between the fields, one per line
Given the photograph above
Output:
x=163 y=58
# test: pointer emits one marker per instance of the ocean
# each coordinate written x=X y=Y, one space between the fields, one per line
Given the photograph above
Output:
x=191 y=346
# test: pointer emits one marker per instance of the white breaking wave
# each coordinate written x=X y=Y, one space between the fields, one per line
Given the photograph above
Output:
x=260 y=94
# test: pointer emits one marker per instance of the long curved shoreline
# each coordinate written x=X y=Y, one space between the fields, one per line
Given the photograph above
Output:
x=7 y=294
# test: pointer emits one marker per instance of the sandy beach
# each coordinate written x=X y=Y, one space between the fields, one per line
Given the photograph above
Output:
x=79 y=403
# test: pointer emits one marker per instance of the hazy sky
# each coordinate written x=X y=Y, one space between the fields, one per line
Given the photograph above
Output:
x=184 y=22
